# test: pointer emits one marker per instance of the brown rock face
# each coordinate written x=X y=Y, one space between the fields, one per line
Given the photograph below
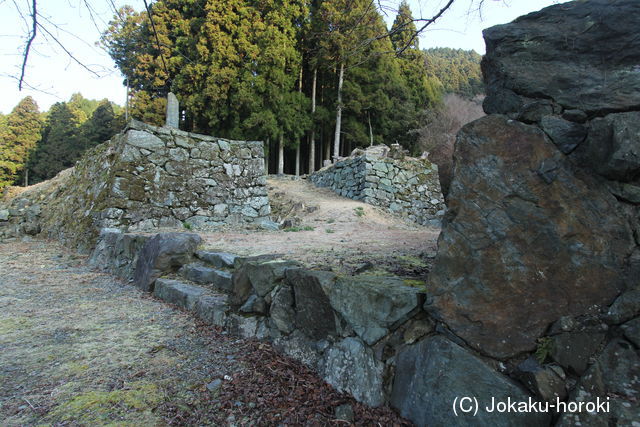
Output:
x=526 y=240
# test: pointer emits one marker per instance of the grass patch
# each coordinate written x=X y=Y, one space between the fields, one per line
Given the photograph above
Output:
x=330 y=230
x=186 y=225
x=296 y=229
x=414 y=283
x=331 y=220
x=130 y=406
x=359 y=211
x=543 y=350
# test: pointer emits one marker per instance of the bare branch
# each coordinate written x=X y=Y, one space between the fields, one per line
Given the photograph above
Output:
x=66 y=50
x=32 y=36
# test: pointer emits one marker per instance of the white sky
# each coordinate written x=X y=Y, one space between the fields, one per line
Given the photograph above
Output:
x=56 y=76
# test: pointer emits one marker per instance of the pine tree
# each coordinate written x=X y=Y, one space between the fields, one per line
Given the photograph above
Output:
x=403 y=31
x=60 y=145
x=22 y=132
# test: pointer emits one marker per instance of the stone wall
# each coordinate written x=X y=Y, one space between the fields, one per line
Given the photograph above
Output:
x=539 y=251
x=366 y=335
x=406 y=186
x=143 y=178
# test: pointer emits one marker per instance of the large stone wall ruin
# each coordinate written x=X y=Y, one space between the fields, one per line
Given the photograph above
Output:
x=405 y=186
x=144 y=178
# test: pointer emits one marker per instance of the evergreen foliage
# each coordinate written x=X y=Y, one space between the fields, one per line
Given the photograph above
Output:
x=458 y=70
x=65 y=137
x=18 y=137
x=245 y=69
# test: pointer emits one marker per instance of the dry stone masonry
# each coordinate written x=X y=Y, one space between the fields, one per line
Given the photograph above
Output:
x=148 y=177
x=539 y=252
x=534 y=295
x=380 y=177
x=357 y=332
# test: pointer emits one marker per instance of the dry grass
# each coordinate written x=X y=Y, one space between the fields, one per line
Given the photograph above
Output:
x=80 y=348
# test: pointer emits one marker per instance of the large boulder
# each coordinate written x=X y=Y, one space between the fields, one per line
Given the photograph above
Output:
x=162 y=253
x=526 y=240
x=433 y=375
x=580 y=55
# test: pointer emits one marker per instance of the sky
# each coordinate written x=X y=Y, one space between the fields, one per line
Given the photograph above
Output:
x=52 y=76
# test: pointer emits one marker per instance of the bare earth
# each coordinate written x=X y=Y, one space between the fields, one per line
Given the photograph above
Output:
x=333 y=232
x=81 y=348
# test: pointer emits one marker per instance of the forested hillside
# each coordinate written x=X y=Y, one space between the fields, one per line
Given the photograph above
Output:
x=313 y=79
x=35 y=146
x=317 y=77
x=458 y=70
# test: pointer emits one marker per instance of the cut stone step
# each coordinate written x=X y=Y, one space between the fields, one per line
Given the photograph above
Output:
x=206 y=276
x=212 y=309
x=178 y=293
x=217 y=259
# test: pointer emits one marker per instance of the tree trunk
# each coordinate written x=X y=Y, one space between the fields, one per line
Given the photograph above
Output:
x=312 y=142
x=26 y=177
x=266 y=158
x=298 y=160
x=327 y=149
x=336 y=139
x=370 y=130
x=281 y=155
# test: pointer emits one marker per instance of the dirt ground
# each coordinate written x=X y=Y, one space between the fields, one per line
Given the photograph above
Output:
x=81 y=348
x=333 y=232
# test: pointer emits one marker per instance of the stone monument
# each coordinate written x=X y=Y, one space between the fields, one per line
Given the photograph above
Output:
x=173 y=111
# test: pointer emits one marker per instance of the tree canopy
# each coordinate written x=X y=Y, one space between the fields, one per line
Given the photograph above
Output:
x=249 y=69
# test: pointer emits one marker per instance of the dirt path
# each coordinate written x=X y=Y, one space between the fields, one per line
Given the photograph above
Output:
x=333 y=232
x=81 y=348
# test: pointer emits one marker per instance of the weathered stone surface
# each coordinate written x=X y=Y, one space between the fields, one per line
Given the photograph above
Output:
x=217 y=259
x=281 y=313
x=572 y=350
x=405 y=186
x=612 y=149
x=613 y=379
x=244 y=326
x=570 y=53
x=254 y=304
x=162 y=253
x=518 y=249
x=173 y=111
x=430 y=375
x=143 y=139
x=350 y=367
x=242 y=260
x=632 y=331
x=178 y=293
x=625 y=307
x=264 y=276
x=241 y=287
x=310 y=289
x=207 y=276
x=565 y=134
x=117 y=252
x=212 y=309
x=4 y=214
x=145 y=178
x=546 y=382
x=299 y=347
x=373 y=304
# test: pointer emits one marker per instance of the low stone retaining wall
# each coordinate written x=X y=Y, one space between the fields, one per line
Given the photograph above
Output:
x=409 y=186
x=369 y=336
x=144 y=178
